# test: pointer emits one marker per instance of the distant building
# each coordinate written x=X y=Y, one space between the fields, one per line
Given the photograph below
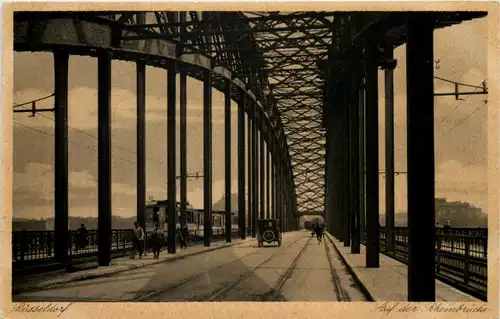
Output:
x=458 y=212
x=30 y=224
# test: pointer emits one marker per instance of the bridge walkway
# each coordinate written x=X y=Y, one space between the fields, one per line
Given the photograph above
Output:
x=389 y=282
x=302 y=269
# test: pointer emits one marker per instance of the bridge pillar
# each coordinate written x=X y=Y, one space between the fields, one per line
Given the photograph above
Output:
x=277 y=178
x=207 y=158
x=171 y=154
x=420 y=157
x=104 y=157
x=362 y=176
x=183 y=144
x=330 y=169
x=241 y=165
x=389 y=148
x=346 y=230
x=272 y=154
x=250 y=169
x=255 y=176
x=227 y=140
x=262 y=167
x=141 y=142
x=354 y=165
x=372 y=162
x=183 y=123
x=268 y=180
x=61 y=232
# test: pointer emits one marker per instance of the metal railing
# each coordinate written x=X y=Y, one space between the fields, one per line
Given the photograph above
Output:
x=39 y=245
x=461 y=256
x=31 y=247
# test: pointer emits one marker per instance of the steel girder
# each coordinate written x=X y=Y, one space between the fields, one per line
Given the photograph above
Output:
x=277 y=55
x=281 y=57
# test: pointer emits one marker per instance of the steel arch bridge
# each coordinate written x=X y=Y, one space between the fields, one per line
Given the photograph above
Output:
x=277 y=57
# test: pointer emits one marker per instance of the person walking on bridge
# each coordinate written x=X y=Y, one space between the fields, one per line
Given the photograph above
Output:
x=138 y=240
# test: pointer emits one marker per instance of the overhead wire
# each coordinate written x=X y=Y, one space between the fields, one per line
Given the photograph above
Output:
x=464 y=119
x=86 y=133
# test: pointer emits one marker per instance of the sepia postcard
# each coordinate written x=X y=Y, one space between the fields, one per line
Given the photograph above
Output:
x=250 y=160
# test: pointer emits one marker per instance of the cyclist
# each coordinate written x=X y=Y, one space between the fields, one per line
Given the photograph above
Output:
x=319 y=233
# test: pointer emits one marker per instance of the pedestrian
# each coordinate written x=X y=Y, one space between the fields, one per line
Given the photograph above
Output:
x=185 y=234
x=82 y=240
x=156 y=241
x=138 y=240
x=181 y=238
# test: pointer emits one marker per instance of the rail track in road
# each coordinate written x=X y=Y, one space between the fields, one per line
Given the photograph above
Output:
x=155 y=293
x=272 y=294
x=342 y=295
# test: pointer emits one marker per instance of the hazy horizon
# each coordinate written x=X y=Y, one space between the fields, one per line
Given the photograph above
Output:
x=460 y=144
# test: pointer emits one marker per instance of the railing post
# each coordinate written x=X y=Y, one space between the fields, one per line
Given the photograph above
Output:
x=467 y=240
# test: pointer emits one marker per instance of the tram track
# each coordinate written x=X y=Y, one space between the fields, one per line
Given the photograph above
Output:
x=341 y=294
x=155 y=293
x=273 y=293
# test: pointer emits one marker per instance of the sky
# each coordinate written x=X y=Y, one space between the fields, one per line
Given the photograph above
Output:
x=460 y=145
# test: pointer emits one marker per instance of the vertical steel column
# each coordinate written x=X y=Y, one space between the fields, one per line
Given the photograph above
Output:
x=346 y=231
x=362 y=206
x=61 y=232
x=141 y=141
x=171 y=153
x=250 y=169
x=328 y=179
x=279 y=188
x=104 y=157
x=241 y=165
x=183 y=144
x=338 y=169
x=268 y=179
x=227 y=122
x=207 y=158
x=262 y=183
x=141 y=135
x=273 y=180
x=389 y=150
x=420 y=157
x=277 y=183
x=183 y=124
x=354 y=167
x=255 y=191
x=372 y=163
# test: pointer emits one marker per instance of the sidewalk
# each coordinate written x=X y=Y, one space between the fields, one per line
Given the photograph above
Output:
x=389 y=282
x=46 y=280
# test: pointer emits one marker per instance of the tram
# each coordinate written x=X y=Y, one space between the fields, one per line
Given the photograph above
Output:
x=157 y=213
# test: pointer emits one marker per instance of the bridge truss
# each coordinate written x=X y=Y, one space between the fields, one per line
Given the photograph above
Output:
x=280 y=56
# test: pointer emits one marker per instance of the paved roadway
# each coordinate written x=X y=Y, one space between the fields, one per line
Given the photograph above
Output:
x=300 y=270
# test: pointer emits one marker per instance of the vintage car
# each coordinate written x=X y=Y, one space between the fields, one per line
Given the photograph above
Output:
x=269 y=232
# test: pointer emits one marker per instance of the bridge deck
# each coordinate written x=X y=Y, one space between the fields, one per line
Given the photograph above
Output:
x=300 y=270
x=389 y=282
